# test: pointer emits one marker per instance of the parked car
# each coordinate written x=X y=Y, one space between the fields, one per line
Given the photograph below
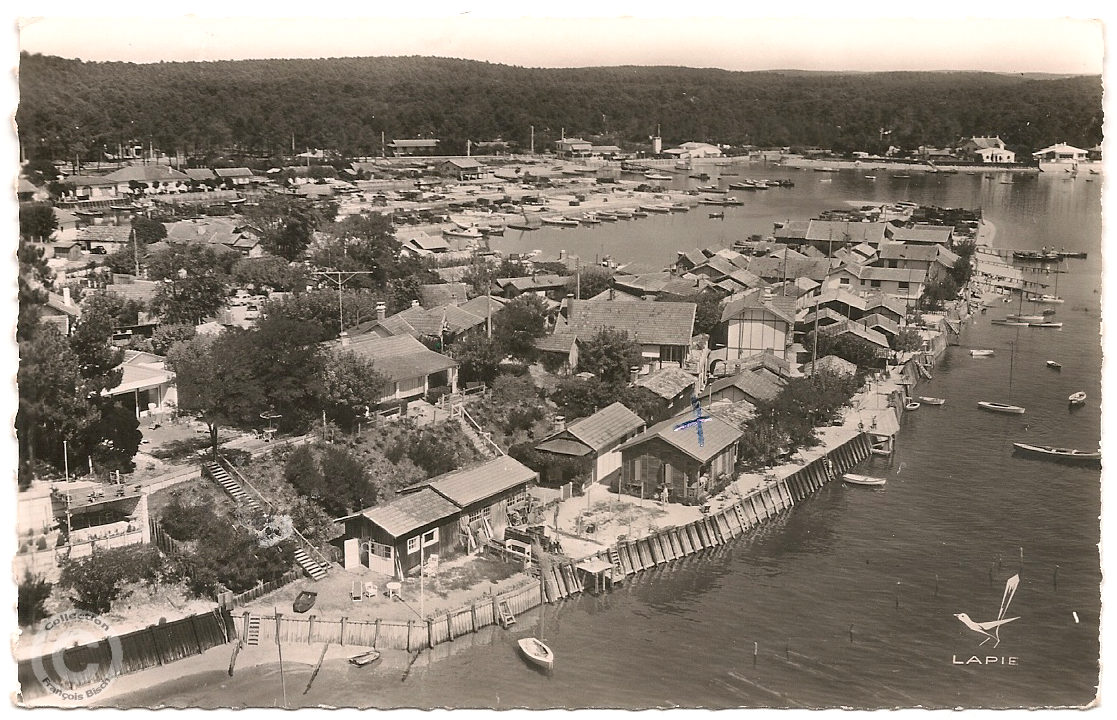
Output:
x=98 y=250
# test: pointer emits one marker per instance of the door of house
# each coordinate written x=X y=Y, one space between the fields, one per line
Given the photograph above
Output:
x=352 y=552
x=381 y=558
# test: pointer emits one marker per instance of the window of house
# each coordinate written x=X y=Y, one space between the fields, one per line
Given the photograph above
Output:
x=486 y=512
x=893 y=263
x=874 y=283
x=843 y=281
x=430 y=537
x=903 y=286
x=413 y=544
x=381 y=550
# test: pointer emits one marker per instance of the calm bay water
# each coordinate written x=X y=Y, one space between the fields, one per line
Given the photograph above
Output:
x=848 y=599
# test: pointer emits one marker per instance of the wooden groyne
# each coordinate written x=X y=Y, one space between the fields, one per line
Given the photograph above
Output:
x=719 y=527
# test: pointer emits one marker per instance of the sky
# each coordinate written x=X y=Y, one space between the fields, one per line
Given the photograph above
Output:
x=580 y=33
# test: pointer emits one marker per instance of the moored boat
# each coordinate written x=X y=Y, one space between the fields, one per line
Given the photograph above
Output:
x=717 y=216
x=560 y=221
x=1000 y=407
x=655 y=208
x=639 y=213
x=1058 y=453
x=1054 y=365
x=1046 y=324
x=537 y=652
x=656 y=176
x=1047 y=299
x=365 y=658
x=932 y=400
x=1077 y=398
x=469 y=234
x=1006 y=321
x=855 y=479
x=731 y=200
x=679 y=207
x=1024 y=318
x=981 y=353
x=911 y=405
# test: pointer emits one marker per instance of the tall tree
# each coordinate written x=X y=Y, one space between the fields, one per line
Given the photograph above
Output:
x=148 y=230
x=521 y=322
x=285 y=224
x=37 y=221
x=352 y=386
x=34 y=280
x=193 y=282
x=609 y=355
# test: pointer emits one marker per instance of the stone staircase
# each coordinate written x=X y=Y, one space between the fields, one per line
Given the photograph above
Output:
x=231 y=486
x=312 y=567
x=484 y=445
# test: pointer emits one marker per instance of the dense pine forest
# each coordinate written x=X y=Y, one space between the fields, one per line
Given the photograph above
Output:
x=264 y=106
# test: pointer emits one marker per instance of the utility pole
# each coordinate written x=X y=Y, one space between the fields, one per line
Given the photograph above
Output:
x=341 y=278
x=489 y=309
x=532 y=139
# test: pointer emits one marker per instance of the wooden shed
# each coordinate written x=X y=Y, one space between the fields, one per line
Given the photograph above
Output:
x=672 y=455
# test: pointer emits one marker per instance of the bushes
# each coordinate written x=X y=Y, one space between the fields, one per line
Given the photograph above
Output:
x=224 y=554
x=99 y=580
x=434 y=394
x=33 y=594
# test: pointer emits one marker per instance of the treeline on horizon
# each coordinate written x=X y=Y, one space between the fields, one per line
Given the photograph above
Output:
x=263 y=107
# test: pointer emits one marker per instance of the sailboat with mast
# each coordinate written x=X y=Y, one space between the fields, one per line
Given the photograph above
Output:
x=1007 y=408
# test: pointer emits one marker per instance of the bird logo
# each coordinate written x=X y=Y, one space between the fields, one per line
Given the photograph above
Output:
x=984 y=628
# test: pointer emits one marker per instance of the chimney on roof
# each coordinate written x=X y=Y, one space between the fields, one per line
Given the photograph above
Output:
x=560 y=423
x=344 y=339
x=562 y=254
x=633 y=373
x=414 y=303
x=66 y=295
x=381 y=310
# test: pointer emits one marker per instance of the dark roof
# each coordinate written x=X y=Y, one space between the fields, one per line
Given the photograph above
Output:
x=831 y=363
x=667 y=382
x=716 y=436
x=844 y=231
x=145 y=173
x=104 y=233
x=605 y=426
x=199 y=173
x=471 y=485
x=233 y=172
x=399 y=357
x=753 y=384
x=562 y=446
x=782 y=306
x=647 y=323
x=560 y=341
x=481 y=304
x=410 y=512
x=442 y=294
x=774 y=268
x=533 y=282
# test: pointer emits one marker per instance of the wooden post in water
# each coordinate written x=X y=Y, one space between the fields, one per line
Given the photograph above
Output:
x=755 y=650
x=473 y=616
x=897 y=594
x=1055 y=577
x=851 y=634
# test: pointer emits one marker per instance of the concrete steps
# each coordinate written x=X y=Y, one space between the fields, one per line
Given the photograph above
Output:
x=231 y=486
x=310 y=566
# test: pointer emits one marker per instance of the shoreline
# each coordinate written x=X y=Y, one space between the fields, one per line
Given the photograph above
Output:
x=921 y=167
x=141 y=689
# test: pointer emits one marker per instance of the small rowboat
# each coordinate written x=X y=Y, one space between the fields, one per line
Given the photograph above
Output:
x=1077 y=398
x=1045 y=324
x=911 y=405
x=365 y=658
x=1054 y=365
x=1001 y=407
x=537 y=652
x=932 y=400
x=981 y=353
x=1057 y=453
x=304 y=601
x=1024 y=318
x=717 y=215
x=1006 y=321
x=855 y=479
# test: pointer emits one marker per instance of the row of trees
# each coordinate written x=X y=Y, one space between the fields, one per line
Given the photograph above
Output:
x=64 y=415
x=70 y=107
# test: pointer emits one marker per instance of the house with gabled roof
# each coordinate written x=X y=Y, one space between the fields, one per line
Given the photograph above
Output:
x=748 y=386
x=393 y=538
x=922 y=233
x=758 y=321
x=235 y=177
x=662 y=329
x=436 y=294
x=413 y=146
x=597 y=438
x=830 y=363
x=674 y=388
x=462 y=169
x=412 y=368
x=544 y=285
x=824 y=233
x=854 y=328
x=672 y=456
x=422 y=244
